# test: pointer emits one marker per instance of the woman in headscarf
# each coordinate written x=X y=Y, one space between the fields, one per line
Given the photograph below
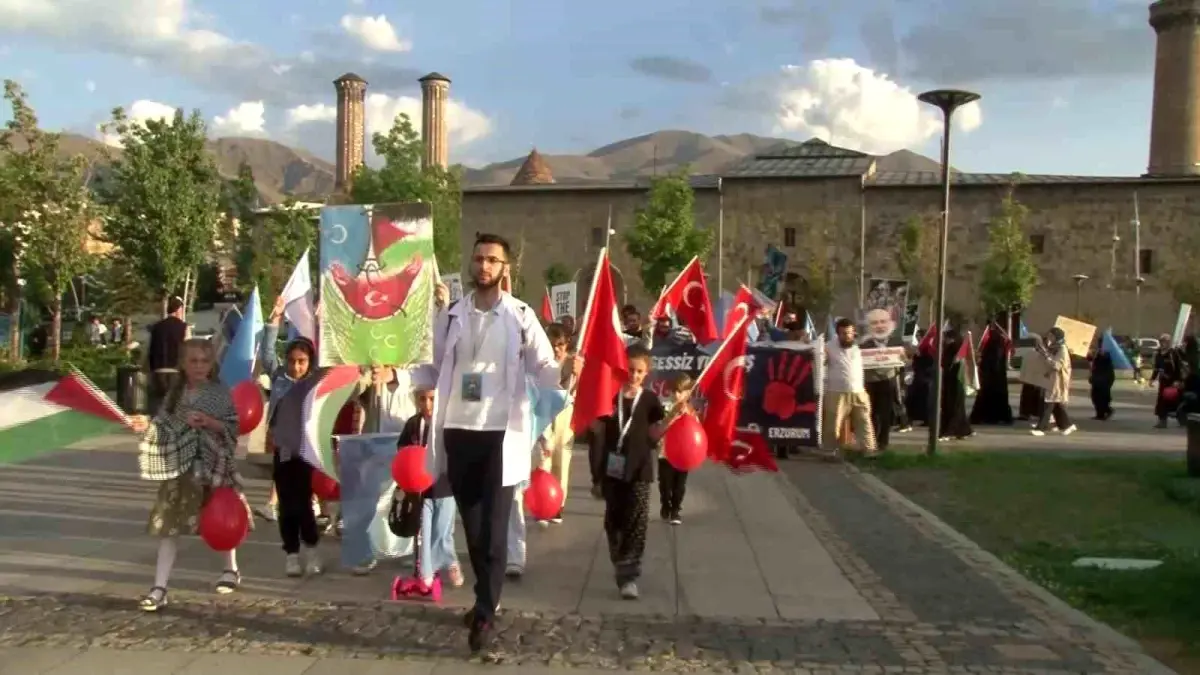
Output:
x=1057 y=361
x=954 y=420
x=1168 y=372
x=1102 y=378
x=991 y=403
x=916 y=398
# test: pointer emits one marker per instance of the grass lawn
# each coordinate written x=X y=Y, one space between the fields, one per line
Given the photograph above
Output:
x=1039 y=513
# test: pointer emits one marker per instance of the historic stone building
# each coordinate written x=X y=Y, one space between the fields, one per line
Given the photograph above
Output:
x=783 y=197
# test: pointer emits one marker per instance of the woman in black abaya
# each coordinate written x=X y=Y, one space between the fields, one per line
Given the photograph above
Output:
x=991 y=403
x=1102 y=378
x=954 y=421
x=917 y=398
x=1032 y=396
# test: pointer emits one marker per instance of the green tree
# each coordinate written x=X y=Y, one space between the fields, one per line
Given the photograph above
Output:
x=555 y=274
x=402 y=179
x=239 y=199
x=48 y=209
x=918 y=255
x=165 y=197
x=1009 y=272
x=124 y=292
x=664 y=236
x=269 y=245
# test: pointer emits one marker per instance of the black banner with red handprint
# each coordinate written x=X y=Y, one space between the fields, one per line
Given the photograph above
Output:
x=780 y=399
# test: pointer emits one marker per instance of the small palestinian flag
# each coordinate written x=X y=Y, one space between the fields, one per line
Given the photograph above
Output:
x=326 y=396
x=969 y=372
x=42 y=411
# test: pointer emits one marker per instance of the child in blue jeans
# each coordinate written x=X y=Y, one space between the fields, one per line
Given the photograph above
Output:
x=435 y=554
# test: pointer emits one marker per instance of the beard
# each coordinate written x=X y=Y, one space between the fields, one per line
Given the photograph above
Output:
x=486 y=286
x=845 y=341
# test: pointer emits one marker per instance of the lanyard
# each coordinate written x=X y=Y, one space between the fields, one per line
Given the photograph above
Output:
x=624 y=424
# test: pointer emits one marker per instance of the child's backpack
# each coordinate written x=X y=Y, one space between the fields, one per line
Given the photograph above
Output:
x=404 y=517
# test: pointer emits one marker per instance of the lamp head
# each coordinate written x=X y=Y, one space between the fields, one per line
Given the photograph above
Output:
x=948 y=100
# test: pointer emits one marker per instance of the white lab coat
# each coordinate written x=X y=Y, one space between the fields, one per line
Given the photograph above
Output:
x=536 y=357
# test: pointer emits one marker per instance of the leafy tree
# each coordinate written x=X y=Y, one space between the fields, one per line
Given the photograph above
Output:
x=664 y=236
x=125 y=293
x=239 y=199
x=1009 y=272
x=269 y=245
x=165 y=197
x=555 y=274
x=48 y=209
x=918 y=255
x=402 y=179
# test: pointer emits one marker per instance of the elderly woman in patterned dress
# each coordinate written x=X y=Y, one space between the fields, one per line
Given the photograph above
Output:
x=188 y=448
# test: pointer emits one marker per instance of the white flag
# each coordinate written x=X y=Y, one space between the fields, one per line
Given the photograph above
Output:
x=298 y=300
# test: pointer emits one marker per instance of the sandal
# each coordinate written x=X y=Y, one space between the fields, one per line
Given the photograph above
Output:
x=229 y=582
x=153 y=601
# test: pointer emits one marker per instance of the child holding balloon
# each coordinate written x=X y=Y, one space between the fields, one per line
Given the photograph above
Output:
x=628 y=439
x=188 y=448
x=672 y=483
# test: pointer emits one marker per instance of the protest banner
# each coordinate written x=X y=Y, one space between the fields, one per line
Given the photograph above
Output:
x=884 y=357
x=454 y=284
x=562 y=300
x=1078 y=335
x=782 y=396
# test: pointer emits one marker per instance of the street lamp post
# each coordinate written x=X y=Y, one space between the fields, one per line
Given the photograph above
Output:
x=946 y=100
x=1079 y=279
x=1137 y=308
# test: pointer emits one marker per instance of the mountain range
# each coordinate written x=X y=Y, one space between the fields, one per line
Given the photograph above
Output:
x=281 y=171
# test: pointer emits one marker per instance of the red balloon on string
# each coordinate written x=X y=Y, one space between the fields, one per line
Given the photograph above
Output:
x=409 y=471
x=685 y=445
x=248 y=402
x=1170 y=394
x=224 y=520
x=325 y=488
x=544 y=496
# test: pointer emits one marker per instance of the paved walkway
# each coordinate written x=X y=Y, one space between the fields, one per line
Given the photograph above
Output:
x=815 y=570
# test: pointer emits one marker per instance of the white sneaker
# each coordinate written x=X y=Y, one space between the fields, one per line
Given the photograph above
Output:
x=364 y=569
x=1037 y=432
x=629 y=590
x=292 y=568
x=543 y=524
x=1070 y=430
x=514 y=571
x=312 y=562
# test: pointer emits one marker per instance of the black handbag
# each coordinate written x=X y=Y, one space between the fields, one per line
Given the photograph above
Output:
x=404 y=517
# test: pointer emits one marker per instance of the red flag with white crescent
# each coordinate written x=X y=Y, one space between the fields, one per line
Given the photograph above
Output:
x=722 y=384
x=602 y=347
x=750 y=453
x=745 y=304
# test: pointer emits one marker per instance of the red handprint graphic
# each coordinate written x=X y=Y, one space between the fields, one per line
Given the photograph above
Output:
x=785 y=373
x=374 y=297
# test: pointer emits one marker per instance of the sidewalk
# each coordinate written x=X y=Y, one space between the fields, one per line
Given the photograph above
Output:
x=806 y=570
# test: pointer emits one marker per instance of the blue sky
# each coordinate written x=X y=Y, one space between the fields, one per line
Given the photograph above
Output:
x=1066 y=84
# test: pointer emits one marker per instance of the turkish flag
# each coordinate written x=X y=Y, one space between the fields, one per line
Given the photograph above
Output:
x=750 y=453
x=547 y=308
x=602 y=348
x=688 y=297
x=722 y=384
x=745 y=304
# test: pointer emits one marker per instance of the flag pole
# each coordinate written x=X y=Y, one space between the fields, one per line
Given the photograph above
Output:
x=591 y=300
x=720 y=237
x=1137 y=272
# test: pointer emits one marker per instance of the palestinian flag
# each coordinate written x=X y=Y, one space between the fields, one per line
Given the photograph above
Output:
x=969 y=372
x=43 y=411
x=327 y=394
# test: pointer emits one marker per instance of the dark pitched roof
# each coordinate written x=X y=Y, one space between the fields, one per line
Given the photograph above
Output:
x=698 y=182
x=534 y=171
x=934 y=178
x=813 y=158
x=349 y=77
x=434 y=77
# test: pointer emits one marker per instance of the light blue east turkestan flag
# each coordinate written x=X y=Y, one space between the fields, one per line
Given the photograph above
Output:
x=365 y=469
x=545 y=405
x=237 y=364
x=809 y=326
x=1024 y=331
x=1109 y=345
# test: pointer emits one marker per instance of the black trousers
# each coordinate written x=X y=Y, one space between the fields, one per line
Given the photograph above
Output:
x=595 y=457
x=672 y=484
x=293 y=487
x=1102 y=399
x=160 y=384
x=475 y=467
x=626 y=518
x=882 y=409
x=1058 y=411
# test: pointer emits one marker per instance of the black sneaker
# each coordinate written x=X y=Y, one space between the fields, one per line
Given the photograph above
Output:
x=480 y=637
x=676 y=519
x=664 y=513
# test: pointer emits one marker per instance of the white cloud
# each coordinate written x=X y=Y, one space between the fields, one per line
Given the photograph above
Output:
x=305 y=114
x=139 y=112
x=852 y=106
x=375 y=33
x=90 y=86
x=245 y=119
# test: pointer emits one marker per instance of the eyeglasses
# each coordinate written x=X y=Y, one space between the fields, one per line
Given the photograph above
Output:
x=489 y=260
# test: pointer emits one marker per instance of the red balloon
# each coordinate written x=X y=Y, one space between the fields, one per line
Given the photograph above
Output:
x=685 y=445
x=325 y=487
x=409 y=472
x=224 y=520
x=248 y=401
x=1170 y=394
x=544 y=496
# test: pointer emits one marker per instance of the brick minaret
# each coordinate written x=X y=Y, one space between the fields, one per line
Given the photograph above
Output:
x=351 y=128
x=1175 y=120
x=435 y=93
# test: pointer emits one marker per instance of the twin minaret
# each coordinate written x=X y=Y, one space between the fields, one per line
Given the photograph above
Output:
x=352 y=132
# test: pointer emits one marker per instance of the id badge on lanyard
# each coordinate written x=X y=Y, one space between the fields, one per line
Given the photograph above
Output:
x=615 y=466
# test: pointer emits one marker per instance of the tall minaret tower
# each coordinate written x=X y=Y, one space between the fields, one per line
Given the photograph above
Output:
x=435 y=93
x=1175 y=119
x=351 y=128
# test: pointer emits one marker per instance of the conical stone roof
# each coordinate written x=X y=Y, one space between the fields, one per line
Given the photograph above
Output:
x=535 y=171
